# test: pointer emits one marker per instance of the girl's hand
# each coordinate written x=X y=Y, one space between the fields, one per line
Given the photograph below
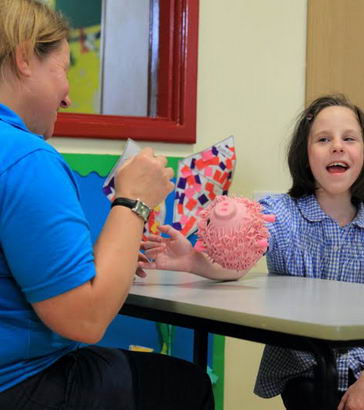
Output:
x=139 y=270
x=172 y=253
x=353 y=399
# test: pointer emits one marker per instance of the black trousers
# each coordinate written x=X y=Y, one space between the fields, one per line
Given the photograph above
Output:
x=300 y=394
x=98 y=378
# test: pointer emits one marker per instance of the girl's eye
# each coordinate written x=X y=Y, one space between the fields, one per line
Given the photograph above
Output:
x=349 y=139
x=323 y=139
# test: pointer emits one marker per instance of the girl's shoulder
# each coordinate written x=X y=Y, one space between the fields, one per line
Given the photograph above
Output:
x=282 y=204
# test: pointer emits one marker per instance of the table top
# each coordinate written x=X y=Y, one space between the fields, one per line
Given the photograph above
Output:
x=316 y=308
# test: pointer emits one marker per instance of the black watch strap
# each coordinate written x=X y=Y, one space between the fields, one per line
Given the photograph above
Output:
x=129 y=203
x=137 y=206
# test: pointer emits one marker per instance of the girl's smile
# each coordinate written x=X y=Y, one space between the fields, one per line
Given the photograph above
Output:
x=337 y=167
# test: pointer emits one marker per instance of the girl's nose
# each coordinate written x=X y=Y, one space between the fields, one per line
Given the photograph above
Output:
x=337 y=146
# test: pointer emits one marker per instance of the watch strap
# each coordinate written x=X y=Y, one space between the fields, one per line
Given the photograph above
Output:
x=137 y=206
x=129 y=203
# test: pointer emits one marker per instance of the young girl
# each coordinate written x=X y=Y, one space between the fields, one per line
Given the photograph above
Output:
x=318 y=233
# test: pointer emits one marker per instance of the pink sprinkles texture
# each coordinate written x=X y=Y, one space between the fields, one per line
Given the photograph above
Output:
x=236 y=244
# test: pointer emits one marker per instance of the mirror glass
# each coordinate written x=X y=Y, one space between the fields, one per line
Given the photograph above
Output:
x=168 y=100
x=113 y=42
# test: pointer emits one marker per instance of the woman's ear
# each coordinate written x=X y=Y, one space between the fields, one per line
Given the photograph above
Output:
x=22 y=60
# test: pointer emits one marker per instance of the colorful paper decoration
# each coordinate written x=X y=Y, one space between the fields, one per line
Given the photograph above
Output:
x=200 y=178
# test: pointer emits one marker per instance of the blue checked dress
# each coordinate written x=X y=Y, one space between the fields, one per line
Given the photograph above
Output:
x=306 y=242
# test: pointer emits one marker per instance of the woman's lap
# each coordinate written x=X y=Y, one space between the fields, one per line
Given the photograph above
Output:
x=92 y=378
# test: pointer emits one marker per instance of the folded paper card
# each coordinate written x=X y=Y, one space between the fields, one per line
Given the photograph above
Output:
x=131 y=149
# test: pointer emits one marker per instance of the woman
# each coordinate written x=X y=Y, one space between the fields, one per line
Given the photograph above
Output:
x=56 y=291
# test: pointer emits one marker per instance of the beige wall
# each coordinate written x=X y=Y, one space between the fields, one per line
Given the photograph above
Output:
x=250 y=84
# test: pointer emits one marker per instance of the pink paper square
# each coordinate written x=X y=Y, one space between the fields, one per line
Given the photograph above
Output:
x=190 y=192
x=183 y=220
x=208 y=171
x=186 y=171
x=206 y=155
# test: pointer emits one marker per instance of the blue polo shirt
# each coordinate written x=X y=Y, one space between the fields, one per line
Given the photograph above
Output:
x=45 y=247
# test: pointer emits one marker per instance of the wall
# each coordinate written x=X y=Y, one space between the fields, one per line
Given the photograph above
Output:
x=250 y=84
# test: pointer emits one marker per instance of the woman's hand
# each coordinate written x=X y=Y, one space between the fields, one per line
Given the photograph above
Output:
x=172 y=253
x=146 y=177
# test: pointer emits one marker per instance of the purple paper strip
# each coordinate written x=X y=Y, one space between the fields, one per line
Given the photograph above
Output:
x=203 y=199
x=177 y=225
x=181 y=183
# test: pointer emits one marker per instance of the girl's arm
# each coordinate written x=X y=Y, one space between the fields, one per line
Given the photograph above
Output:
x=176 y=253
x=232 y=234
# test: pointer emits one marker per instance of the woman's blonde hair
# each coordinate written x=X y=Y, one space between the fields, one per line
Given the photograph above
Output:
x=31 y=25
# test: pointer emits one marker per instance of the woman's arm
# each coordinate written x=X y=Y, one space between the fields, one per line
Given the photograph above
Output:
x=84 y=312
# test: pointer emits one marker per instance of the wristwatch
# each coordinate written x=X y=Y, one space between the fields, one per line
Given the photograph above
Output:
x=137 y=206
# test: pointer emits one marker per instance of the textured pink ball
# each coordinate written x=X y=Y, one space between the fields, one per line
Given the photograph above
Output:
x=232 y=232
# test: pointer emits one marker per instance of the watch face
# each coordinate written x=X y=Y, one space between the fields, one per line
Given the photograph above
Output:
x=142 y=210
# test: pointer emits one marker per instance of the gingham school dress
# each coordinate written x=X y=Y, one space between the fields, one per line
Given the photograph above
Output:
x=306 y=242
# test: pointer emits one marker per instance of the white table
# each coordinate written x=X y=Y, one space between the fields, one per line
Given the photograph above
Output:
x=307 y=314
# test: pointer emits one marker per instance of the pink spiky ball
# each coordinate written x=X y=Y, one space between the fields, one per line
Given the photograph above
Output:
x=232 y=232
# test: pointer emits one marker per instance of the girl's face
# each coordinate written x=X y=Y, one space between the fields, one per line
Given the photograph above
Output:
x=335 y=150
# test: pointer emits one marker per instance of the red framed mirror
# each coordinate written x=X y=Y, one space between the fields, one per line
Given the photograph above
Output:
x=177 y=88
